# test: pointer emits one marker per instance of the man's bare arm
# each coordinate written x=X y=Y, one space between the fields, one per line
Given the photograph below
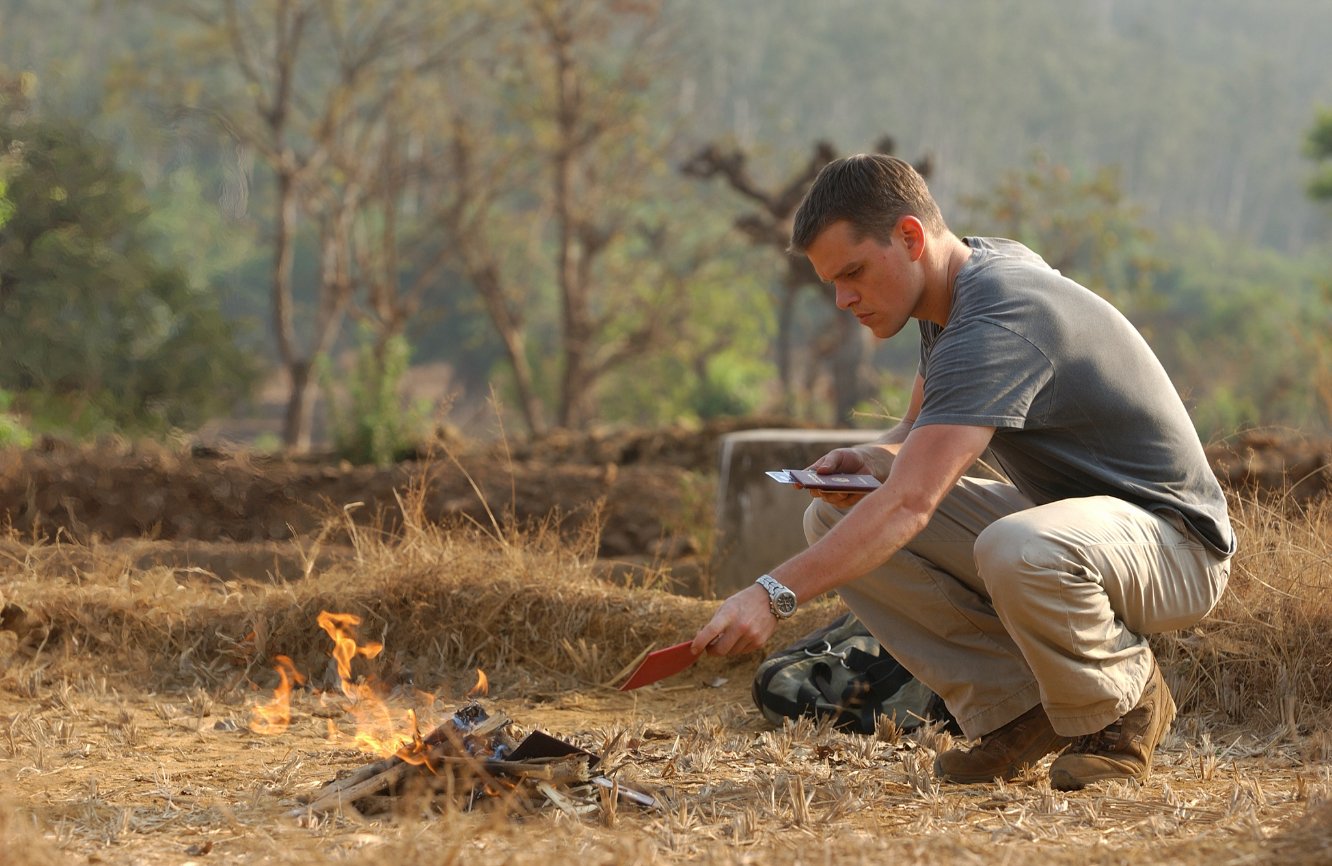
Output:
x=929 y=463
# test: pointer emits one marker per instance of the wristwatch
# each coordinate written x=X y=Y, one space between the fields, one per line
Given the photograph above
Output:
x=781 y=601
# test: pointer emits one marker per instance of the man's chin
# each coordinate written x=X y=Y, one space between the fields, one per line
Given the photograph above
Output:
x=883 y=332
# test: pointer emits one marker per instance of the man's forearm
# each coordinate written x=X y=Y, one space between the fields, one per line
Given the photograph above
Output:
x=876 y=529
x=885 y=520
x=930 y=463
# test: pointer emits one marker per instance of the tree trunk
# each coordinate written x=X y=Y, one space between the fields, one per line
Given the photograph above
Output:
x=853 y=375
x=296 y=423
x=300 y=407
x=510 y=330
x=576 y=381
x=785 y=329
x=516 y=348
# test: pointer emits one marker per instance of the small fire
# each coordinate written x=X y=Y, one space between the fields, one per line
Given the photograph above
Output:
x=482 y=687
x=380 y=728
x=415 y=750
x=274 y=717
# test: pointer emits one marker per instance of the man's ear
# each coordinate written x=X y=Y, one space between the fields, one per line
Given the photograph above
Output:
x=913 y=236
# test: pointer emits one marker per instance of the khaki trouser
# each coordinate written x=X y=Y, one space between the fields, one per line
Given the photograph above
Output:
x=999 y=604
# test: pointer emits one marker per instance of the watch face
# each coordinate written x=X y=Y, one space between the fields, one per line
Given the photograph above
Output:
x=785 y=602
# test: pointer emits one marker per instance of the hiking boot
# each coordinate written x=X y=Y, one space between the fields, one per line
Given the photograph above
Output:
x=1002 y=754
x=1122 y=750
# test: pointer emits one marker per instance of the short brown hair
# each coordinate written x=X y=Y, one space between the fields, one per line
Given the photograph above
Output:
x=871 y=191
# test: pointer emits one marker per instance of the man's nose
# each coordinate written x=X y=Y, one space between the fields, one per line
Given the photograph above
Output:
x=844 y=297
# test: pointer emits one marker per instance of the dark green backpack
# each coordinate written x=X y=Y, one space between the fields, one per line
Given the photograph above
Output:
x=842 y=672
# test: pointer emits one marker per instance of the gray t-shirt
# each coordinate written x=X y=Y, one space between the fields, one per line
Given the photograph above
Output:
x=1081 y=405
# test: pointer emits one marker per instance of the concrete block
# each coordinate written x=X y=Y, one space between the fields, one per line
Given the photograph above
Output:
x=758 y=520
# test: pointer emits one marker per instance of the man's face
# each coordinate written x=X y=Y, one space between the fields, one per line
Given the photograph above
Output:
x=880 y=283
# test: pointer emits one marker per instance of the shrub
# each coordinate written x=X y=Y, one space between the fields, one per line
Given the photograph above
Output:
x=13 y=432
x=369 y=420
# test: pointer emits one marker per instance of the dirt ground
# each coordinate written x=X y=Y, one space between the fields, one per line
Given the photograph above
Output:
x=646 y=495
x=144 y=593
x=100 y=774
x=650 y=492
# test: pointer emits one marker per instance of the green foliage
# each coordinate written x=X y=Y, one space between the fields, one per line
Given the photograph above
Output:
x=717 y=360
x=6 y=206
x=1243 y=332
x=1221 y=412
x=665 y=389
x=1239 y=329
x=267 y=443
x=888 y=405
x=98 y=333
x=12 y=98
x=731 y=384
x=13 y=432
x=1083 y=226
x=184 y=225
x=367 y=416
x=1318 y=147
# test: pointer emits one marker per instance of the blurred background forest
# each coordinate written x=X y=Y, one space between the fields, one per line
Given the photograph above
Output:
x=374 y=218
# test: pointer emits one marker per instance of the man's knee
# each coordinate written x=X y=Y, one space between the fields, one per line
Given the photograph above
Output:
x=819 y=518
x=1011 y=553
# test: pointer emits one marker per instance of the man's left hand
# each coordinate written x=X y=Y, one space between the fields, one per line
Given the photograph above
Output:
x=742 y=624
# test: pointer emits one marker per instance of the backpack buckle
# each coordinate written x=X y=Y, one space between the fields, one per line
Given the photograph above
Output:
x=827 y=650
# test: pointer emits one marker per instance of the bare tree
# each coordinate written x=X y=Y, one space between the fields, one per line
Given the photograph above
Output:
x=552 y=170
x=479 y=179
x=307 y=84
x=377 y=233
x=527 y=164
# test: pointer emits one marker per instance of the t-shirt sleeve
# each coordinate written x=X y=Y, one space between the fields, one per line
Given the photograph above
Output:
x=983 y=374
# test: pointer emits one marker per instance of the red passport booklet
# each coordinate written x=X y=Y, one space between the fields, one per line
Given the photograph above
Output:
x=660 y=665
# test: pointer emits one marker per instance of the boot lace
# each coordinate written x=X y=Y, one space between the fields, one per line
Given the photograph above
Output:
x=1105 y=740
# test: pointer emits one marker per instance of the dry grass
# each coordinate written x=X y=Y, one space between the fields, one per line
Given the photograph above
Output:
x=1261 y=659
x=440 y=600
x=125 y=695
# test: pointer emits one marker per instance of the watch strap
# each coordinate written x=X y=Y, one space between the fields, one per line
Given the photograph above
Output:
x=776 y=589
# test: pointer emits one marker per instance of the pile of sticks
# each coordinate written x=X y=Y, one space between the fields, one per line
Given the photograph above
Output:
x=470 y=758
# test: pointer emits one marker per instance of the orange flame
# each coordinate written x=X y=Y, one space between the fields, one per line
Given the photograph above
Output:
x=345 y=647
x=274 y=717
x=376 y=729
x=415 y=750
x=380 y=728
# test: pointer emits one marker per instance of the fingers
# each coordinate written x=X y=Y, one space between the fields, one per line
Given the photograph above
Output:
x=720 y=637
x=839 y=460
x=707 y=637
x=846 y=500
x=723 y=644
x=732 y=642
x=742 y=624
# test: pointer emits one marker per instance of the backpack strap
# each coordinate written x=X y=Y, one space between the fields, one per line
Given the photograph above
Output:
x=881 y=677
